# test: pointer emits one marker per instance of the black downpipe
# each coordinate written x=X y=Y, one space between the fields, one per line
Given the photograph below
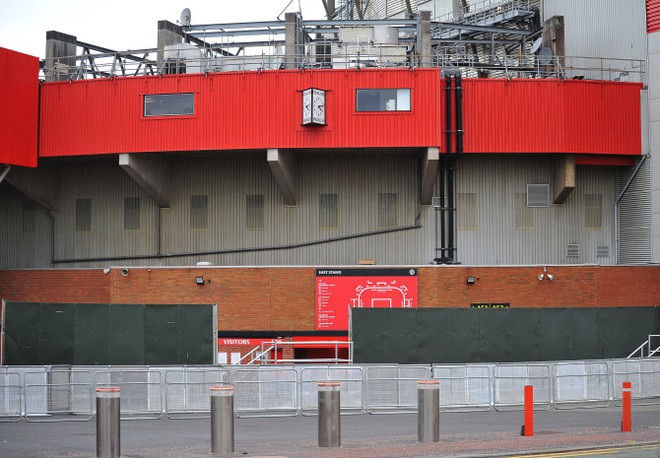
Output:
x=459 y=114
x=443 y=171
x=450 y=209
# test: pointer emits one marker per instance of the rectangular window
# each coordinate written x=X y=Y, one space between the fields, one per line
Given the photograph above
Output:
x=593 y=211
x=525 y=216
x=383 y=100
x=467 y=211
x=328 y=214
x=199 y=212
x=29 y=216
x=169 y=104
x=83 y=214
x=131 y=213
x=387 y=209
x=254 y=217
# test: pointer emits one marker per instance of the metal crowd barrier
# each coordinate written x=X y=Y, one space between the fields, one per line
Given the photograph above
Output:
x=393 y=388
x=64 y=393
x=510 y=380
x=266 y=391
x=350 y=387
x=464 y=387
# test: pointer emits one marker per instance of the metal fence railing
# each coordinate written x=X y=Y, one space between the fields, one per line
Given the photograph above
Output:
x=67 y=393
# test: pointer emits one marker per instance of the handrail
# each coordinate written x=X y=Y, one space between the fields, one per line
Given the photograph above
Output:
x=650 y=352
x=638 y=349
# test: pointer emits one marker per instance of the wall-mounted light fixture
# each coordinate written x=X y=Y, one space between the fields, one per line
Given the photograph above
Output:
x=199 y=280
x=545 y=274
x=106 y=271
x=471 y=280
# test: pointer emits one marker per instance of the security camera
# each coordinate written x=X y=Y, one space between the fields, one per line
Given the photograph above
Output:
x=124 y=271
x=106 y=271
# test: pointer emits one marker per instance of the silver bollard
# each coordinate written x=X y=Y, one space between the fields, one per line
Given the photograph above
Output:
x=329 y=414
x=107 y=422
x=428 y=410
x=222 y=419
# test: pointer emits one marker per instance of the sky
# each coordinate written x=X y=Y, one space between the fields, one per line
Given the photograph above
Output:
x=124 y=24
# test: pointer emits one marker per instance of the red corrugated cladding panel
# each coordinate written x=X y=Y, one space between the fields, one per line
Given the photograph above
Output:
x=546 y=116
x=652 y=15
x=234 y=111
x=19 y=92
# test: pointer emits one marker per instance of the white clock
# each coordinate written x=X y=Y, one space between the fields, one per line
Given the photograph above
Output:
x=313 y=107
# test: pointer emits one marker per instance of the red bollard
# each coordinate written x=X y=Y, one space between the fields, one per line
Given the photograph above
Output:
x=626 y=422
x=528 y=427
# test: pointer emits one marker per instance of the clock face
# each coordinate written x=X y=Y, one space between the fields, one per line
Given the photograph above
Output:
x=318 y=107
x=307 y=107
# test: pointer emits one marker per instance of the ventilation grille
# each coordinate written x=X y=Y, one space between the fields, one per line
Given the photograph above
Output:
x=436 y=202
x=538 y=195
x=602 y=251
x=573 y=250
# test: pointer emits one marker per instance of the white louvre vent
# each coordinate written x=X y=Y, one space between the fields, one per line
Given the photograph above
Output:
x=436 y=202
x=538 y=195
x=573 y=250
x=602 y=251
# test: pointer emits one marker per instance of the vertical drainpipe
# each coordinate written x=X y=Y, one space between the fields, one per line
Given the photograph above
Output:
x=444 y=162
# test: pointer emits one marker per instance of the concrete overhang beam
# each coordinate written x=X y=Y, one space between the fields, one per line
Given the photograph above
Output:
x=152 y=173
x=41 y=184
x=282 y=165
x=563 y=178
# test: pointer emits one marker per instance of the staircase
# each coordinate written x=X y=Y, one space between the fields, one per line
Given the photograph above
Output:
x=651 y=346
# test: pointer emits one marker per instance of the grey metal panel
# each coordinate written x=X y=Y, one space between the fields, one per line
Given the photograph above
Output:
x=635 y=217
x=497 y=241
x=602 y=28
x=19 y=249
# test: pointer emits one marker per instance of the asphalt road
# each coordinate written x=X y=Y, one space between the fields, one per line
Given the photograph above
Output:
x=590 y=432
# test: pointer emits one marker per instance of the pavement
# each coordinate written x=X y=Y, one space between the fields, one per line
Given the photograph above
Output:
x=557 y=433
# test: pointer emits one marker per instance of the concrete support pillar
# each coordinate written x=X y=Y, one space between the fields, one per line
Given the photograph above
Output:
x=424 y=39
x=553 y=37
x=60 y=56
x=152 y=173
x=168 y=34
x=563 y=179
x=282 y=165
x=429 y=173
x=293 y=40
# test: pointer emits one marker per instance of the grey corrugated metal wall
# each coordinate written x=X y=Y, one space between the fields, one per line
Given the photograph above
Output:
x=292 y=236
x=497 y=241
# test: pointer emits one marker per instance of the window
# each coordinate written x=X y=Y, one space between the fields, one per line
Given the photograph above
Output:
x=593 y=211
x=387 y=209
x=383 y=100
x=199 y=212
x=83 y=214
x=254 y=217
x=328 y=215
x=29 y=216
x=131 y=213
x=525 y=216
x=467 y=211
x=169 y=104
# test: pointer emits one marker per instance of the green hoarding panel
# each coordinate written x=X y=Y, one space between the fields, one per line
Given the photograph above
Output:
x=463 y=335
x=126 y=328
x=196 y=341
x=525 y=329
x=384 y=335
x=161 y=334
x=494 y=335
x=21 y=326
x=432 y=339
x=555 y=339
x=624 y=329
x=57 y=333
x=92 y=334
x=585 y=335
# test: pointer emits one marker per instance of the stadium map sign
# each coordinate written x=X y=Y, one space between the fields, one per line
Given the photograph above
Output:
x=338 y=289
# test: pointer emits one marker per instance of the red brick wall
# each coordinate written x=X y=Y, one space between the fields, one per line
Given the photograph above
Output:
x=282 y=298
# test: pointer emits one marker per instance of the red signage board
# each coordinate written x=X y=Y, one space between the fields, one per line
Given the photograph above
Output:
x=244 y=342
x=338 y=289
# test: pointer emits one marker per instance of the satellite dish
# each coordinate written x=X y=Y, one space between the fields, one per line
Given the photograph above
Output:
x=184 y=20
x=536 y=45
x=545 y=56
